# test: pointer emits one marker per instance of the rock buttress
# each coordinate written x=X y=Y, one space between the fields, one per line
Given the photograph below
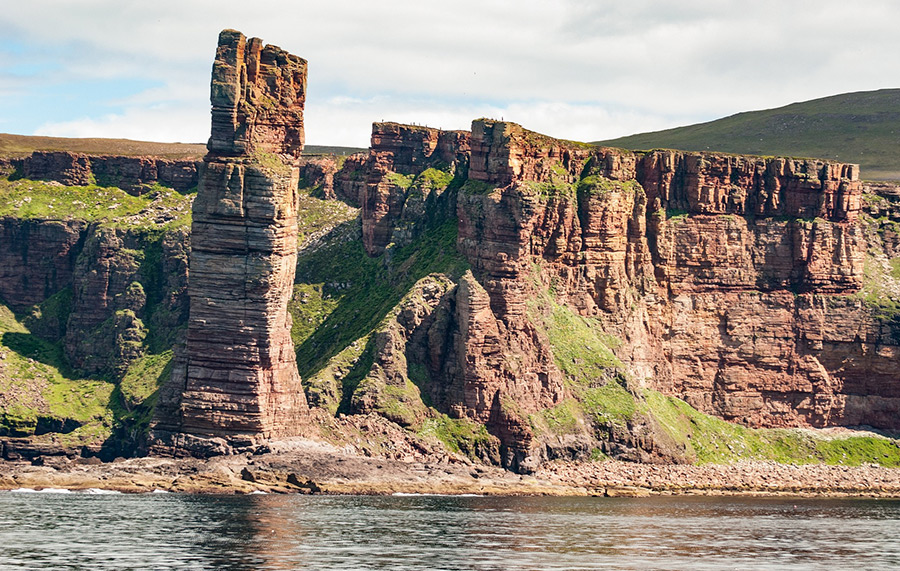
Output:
x=394 y=207
x=236 y=382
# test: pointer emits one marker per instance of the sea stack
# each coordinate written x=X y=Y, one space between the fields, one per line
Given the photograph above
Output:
x=235 y=384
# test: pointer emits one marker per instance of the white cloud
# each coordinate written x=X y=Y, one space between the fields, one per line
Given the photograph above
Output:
x=584 y=69
x=153 y=123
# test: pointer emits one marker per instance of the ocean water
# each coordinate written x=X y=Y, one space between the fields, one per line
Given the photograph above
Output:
x=181 y=531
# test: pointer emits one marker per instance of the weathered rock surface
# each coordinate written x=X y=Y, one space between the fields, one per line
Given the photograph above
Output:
x=386 y=186
x=236 y=382
x=731 y=281
x=102 y=277
x=132 y=174
x=117 y=273
x=743 y=272
x=257 y=94
x=37 y=258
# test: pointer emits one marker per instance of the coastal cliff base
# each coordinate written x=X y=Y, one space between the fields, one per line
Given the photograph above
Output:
x=305 y=466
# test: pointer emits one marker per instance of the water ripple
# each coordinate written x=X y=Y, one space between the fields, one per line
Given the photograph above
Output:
x=178 y=531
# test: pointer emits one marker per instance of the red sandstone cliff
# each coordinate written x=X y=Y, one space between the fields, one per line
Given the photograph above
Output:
x=735 y=283
x=132 y=174
x=729 y=281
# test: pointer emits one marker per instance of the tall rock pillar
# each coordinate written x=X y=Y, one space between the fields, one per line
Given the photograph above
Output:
x=236 y=382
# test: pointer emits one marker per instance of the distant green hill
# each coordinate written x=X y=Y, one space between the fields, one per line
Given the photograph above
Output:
x=861 y=128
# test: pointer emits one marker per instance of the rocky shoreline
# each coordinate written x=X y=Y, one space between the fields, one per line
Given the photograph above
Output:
x=304 y=466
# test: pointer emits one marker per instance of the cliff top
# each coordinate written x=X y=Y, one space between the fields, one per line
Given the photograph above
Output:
x=15 y=146
x=21 y=145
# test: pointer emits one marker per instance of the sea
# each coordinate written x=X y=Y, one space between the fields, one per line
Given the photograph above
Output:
x=97 y=530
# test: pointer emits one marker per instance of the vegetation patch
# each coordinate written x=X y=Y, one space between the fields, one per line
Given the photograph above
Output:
x=580 y=348
x=401 y=404
x=881 y=286
x=144 y=377
x=433 y=179
x=160 y=208
x=403 y=181
x=315 y=216
x=564 y=418
x=326 y=388
x=309 y=307
x=476 y=187
x=459 y=435
x=364 y=289
x=713 y=440
x=38 y=392
x=48 y=319
x=598 y=185
x=610 y=404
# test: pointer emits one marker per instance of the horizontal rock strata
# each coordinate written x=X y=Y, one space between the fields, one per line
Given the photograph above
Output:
x=236 y=382
x=132 y=174
x=730 y=281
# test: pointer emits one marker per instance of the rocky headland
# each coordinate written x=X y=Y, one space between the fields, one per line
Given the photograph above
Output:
x=482 y=311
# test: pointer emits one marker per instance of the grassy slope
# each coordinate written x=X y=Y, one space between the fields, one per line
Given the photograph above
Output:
x=21 y=145
x=861 y=127
x=35 y=380
x=344 y=295
x=581 y=351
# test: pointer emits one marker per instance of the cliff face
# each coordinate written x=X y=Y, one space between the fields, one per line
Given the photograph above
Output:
x=384 y=184
x=38 y=258
x=732 y=303
x=731 y=282
x=132 y=174
x=237 y=379
x=520 y=296
x=98 y=279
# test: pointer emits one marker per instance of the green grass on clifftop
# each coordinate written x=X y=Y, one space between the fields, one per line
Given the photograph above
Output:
x=21 y=145
x=161 y=207
x=861 y=128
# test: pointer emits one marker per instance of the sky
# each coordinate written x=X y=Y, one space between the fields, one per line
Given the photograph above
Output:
x=574 y=69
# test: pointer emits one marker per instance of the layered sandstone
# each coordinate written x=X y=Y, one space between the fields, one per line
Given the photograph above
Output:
x=730 y=302
x=93 y=286
x=132 y=174
x=386 y=184
x=729 y=281
x=236 y=382
x=123 y=287
x=257 y=94
x=37 y=258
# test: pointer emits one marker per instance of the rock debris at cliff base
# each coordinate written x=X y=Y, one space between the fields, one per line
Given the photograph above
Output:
x=312 y=467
